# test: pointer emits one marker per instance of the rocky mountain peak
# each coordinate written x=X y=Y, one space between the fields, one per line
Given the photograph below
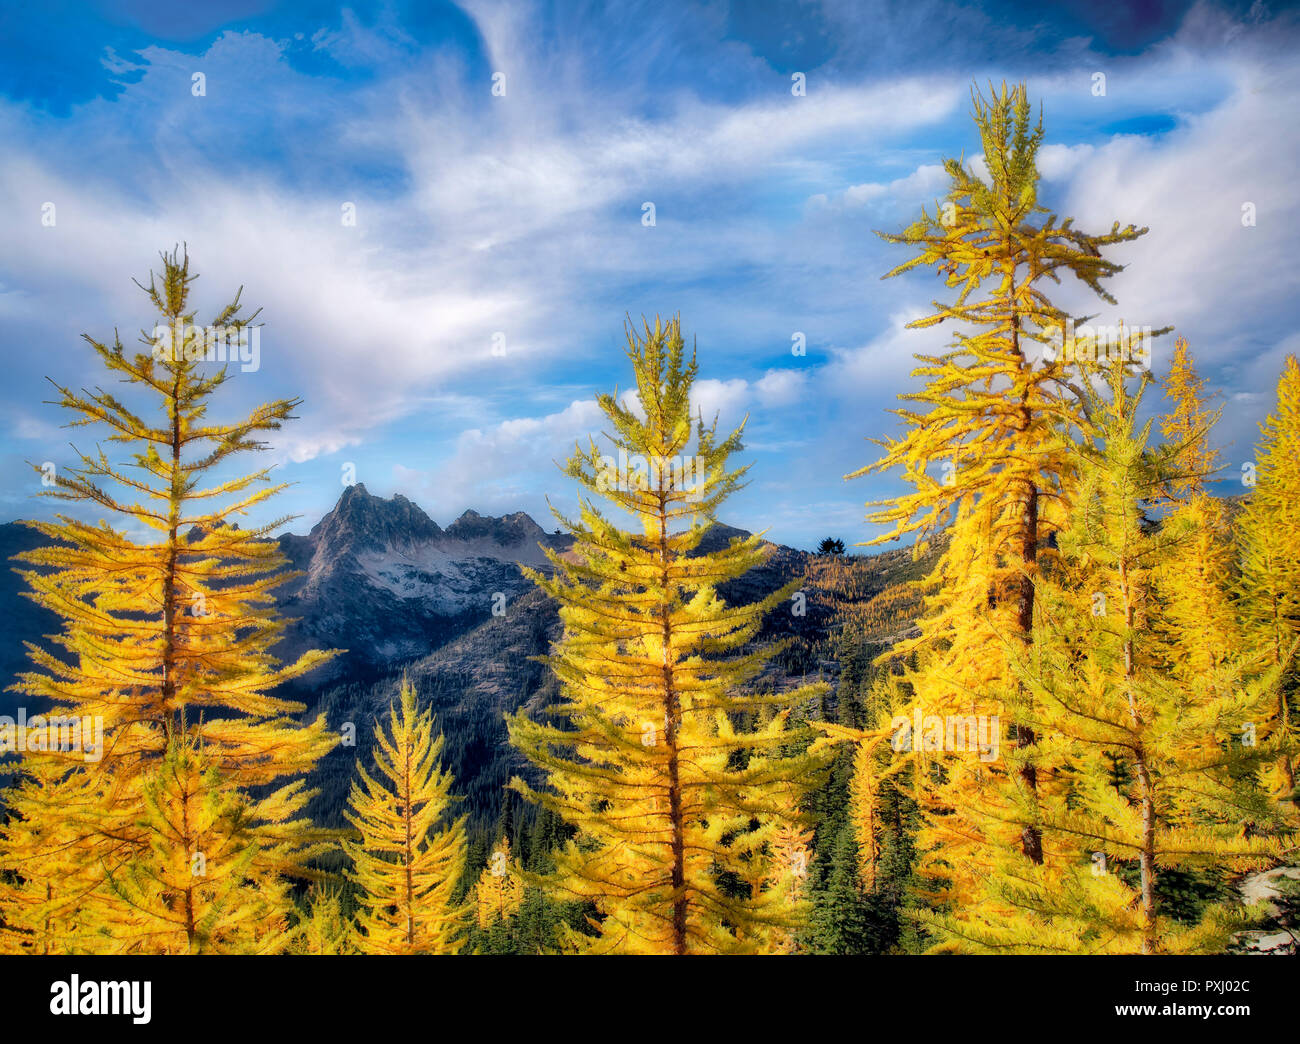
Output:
x=515 y=528
x=362 y=522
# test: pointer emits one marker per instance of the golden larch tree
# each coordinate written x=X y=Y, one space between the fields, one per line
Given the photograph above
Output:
x=666 y=759
x=1155 y=773
x=987 y=454
x=324 y=929
x=411 y=850
x=1197 y=576
x=167 y=642
x=1268 y=534
x=198 y=885
x=499 y=891
x=48 y=848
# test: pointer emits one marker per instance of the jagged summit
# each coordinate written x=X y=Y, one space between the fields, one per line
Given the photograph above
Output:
x=362 y=522
x=506 y=530
x=377 y=577
x=381 y=579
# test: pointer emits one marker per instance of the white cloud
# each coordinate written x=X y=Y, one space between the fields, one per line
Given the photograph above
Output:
x=511 y=462
x=35 y=429
x=1060 y=161
x=880 y=368
x=521 y=215
x=916 y=189
x=507 y=218
x=781 y=387
x=1225 y=286
x=726 y=399
x=506 y=466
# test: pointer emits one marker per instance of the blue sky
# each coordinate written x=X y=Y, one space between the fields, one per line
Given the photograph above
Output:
x=521 y=215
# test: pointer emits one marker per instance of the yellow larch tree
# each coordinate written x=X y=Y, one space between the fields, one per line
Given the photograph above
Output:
x=48 y=848
x=789 y=851
x=1198 y=574
x=199 y=886
x=667 y=759
x=774 y=857
x=1156 y=773
x=987 y=452
x=411 y=850
x=864 y=811
x=1268 y=534
x=1187 y=425
x=324 y=930
x=996 y=412
x=499 y=891
x=167 y=642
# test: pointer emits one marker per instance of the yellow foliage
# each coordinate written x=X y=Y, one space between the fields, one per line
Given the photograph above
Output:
x=671 y=769
x=409 y=859
x=1268 y=534
x=165 y=646
x=499 y=892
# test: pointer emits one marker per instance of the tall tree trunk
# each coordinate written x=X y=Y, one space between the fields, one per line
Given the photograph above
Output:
x=191 y=929
x=1146 y=793
x=672 y=709
x=1147 y=859
x=169 y=593
x=406 y=819
x=1283 y=705
x=1031 y=837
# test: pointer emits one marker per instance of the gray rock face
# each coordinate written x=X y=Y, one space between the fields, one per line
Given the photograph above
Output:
x=380 y=579
x=451 y=609
x=1273 y=890
x=386 y=583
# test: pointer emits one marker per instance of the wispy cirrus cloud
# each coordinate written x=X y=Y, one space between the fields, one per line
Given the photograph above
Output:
x=460 y=326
